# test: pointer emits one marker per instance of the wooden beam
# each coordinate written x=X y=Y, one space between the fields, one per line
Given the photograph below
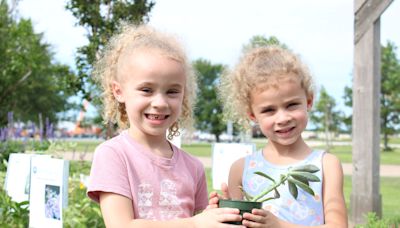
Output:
x=365 y=196
x=358 y=4
x=366 y=12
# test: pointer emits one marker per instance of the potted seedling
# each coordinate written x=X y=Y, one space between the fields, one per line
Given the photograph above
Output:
x=296 y=177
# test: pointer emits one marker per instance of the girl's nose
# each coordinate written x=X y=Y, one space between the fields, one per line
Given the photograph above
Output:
x=283 y=117
x=159 y=100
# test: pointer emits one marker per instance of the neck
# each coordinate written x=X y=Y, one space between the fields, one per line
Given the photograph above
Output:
x=286 y=154
x=158 y=144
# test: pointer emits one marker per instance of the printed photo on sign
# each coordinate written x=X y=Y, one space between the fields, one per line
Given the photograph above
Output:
x=52 y=202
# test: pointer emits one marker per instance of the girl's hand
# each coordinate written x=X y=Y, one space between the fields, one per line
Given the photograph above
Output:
x=216 y=216
x=260 y=218
x=214 y=196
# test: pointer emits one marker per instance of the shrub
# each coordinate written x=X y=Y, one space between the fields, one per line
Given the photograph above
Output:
x=374 y=222
x=13 y=214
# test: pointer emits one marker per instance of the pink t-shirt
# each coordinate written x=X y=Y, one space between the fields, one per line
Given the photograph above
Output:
x=160 y=188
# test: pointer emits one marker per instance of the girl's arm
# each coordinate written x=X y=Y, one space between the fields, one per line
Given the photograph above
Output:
x=332 y=196
x=117 y=211
x=235 y=179
x=332 y=192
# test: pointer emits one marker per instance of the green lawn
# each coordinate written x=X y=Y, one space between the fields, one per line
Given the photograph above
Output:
x=389 y=188
x=342 y=152
x=204 y=150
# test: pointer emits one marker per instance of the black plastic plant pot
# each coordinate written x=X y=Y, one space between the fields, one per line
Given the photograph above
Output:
x=243 y=206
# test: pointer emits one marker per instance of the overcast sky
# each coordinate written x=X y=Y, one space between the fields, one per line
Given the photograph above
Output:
x=320 y=31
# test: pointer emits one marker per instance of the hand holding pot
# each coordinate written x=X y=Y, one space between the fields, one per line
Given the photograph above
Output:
x=260 y=218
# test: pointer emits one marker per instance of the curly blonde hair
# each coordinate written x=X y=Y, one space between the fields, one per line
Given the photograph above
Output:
x=130 y=39
x=259 y=68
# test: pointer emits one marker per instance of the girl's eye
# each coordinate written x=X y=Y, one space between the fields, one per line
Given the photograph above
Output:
x=145 y=90
x=293 y=104
x=173 y=91
x=267 y=110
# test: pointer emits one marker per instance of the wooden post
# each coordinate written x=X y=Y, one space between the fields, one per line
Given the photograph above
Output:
x=365 y=196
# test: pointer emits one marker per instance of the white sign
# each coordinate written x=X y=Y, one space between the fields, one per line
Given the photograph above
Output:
x=223 y=155
x=48 y=191
x=17 y=182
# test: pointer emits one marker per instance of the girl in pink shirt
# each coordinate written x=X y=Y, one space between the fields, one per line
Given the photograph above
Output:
x=139 y=178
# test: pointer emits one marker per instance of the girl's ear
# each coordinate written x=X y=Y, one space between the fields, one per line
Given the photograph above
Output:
x=252 y=117
x=117 y=91
x=310 y=100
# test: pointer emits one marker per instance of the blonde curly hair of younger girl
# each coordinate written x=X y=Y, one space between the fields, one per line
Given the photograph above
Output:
x=259 y=68
x=128 y=40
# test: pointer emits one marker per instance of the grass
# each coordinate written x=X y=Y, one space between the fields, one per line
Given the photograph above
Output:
x=389 y=188
x=342 y=152
x=198 y=149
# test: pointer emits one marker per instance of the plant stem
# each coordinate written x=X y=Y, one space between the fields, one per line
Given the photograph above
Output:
x=268 y=190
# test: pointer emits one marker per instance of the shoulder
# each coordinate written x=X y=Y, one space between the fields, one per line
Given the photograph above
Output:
x=332 y=169
x=331 y=162
x=238 y=165
x=110 y=149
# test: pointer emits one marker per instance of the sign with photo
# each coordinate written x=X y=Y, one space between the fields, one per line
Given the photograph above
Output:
x=223 y=156
x=48 y=191
x=17 y=182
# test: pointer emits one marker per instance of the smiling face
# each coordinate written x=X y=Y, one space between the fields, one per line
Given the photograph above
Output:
x=151 y=85
x=281 y=110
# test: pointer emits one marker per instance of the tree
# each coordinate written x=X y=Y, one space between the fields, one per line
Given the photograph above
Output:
x=101 y=18
x=389 y=95
x=208 y=112
x=260 y=41
x=325 y=117
x=31 y=82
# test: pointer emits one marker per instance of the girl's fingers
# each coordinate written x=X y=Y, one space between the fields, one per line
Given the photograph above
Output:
x=260 y=212
x=224 y=190
x=255 y=218
x=213 y=200
x=211 y=206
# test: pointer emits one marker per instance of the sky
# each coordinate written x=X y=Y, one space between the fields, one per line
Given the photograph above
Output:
x=321 y=32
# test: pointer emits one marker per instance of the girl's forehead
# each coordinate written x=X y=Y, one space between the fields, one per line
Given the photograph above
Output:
x=273 y=81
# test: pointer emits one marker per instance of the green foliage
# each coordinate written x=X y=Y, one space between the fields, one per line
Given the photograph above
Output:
x=101 y=19
x=208 y=112
x=325 y=117
x=8 y=147
x=31 y=82
x=13 y=214
x=81 y=212
x=260 y=41
x=389 y=95
x=296 y=177
x=374 y=222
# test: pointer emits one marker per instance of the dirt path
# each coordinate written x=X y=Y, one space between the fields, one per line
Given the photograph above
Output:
x=385 y=170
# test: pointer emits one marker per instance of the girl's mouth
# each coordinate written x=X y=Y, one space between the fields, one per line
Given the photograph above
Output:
x=156 y=117
x=285 y=131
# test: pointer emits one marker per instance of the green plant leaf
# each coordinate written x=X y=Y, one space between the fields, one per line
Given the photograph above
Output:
x=264 y=175
x=277 y=195
x=302 y=185
x=306 y=168
x=300 y=178
x=292 y=189
x=306 y=175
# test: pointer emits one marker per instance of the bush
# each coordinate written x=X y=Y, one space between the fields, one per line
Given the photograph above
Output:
x=374 y=222
x=8 y=147
x=81 y=211
x=13 y=214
